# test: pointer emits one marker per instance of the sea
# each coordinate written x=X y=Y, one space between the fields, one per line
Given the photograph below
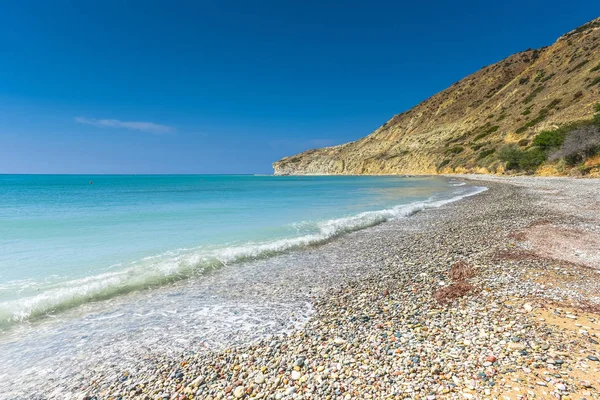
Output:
x=95 y=269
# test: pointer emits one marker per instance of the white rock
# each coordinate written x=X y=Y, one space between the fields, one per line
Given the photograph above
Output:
x=198 y=381
x=259 y=379
x=290 y=390
x=339 y=341
x=239 y=392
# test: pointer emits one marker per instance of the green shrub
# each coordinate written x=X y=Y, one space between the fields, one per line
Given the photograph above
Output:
x=455 y=150
x=547 y=140
x=485 y=133
x=517 y=159
x=531 y=159
x=540 y=75
x=531 y=123
x=485 y=153
x=511 y=155
x=480 y=136
x=552 y=104
x=542 y=114
x=522 y=129
x=579 y=144
x=594 y=82
x=548 y=77
x=596 y=68
x=578 y=66
x=443 y=164
x=533 y=93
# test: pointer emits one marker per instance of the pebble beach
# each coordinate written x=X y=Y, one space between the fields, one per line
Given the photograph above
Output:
x=467 y=301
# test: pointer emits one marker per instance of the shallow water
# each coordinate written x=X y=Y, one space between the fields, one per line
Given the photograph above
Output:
x=97 y=275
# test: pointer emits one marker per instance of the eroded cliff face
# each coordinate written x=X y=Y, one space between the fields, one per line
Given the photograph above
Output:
x=459 y=129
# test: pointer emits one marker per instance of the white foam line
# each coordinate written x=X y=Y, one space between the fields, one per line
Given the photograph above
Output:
x=157 y=270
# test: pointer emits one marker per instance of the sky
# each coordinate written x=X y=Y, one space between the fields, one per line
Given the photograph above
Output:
x=206 y=87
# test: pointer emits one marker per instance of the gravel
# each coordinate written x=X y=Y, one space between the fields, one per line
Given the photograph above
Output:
x=378 y=332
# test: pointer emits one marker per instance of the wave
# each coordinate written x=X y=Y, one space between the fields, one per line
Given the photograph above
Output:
x=172 y=266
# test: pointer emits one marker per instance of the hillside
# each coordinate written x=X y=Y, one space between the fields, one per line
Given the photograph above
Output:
x=488 y=122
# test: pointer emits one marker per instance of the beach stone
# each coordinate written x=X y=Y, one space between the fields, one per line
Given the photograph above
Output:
x=339 y=341
x=365 y=345
x=259 y=379
x=198 y=381
x=239 y=392
x=291 y=390
x=296 y=375
x=516 y=346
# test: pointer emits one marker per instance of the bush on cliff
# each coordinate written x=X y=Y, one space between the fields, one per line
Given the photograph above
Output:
x=517 y=159
x=580 y=144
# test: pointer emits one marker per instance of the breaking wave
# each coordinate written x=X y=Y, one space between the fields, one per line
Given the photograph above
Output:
x=176 y=265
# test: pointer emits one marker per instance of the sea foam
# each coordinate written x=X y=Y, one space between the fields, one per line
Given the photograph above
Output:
x=175 y=265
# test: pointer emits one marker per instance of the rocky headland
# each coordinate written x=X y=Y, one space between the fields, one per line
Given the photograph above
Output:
x=537 y=111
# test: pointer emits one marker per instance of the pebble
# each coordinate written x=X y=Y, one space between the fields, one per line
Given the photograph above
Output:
x=239 y=392
x=296 y=375
x=339 y=341
x=259 y=379
x=291 y=390
x=377 y=332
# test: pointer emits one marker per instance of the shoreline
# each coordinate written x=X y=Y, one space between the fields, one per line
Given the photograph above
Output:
x=383 y=334
x=377 y=330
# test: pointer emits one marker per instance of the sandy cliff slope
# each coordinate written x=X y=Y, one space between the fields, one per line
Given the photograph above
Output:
x=462 y=128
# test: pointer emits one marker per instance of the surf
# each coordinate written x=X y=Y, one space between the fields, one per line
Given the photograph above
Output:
x=168 y=267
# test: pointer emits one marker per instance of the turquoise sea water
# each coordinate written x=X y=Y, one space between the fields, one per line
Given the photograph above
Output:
x=69 y=239
x=100 y=272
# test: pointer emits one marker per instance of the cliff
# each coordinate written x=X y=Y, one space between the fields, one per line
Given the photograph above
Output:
x=466 y=127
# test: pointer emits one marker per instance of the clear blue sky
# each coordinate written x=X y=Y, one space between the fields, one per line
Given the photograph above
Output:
x=231 y=86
